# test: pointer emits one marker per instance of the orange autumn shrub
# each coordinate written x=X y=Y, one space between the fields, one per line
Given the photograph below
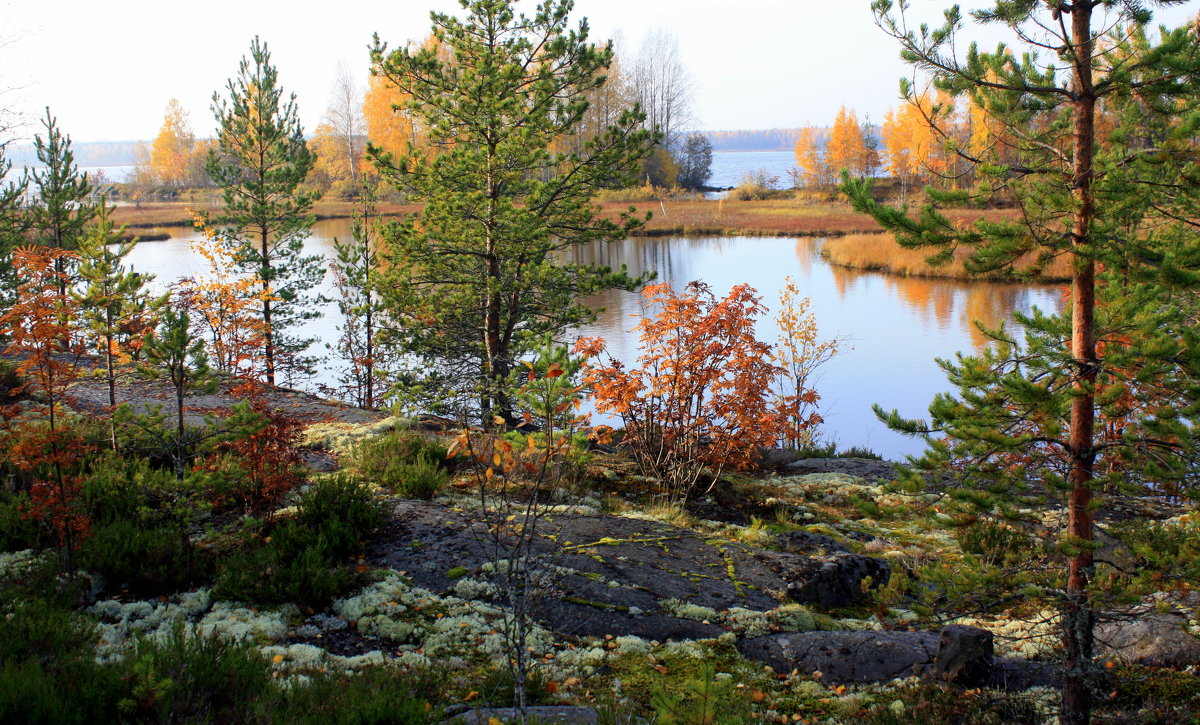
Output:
x=701 y=399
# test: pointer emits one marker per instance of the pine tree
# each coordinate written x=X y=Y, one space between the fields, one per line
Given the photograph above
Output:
x=13 y=225
x=478 y=281
x=1036 y=415
x=177 y=349
x=111 y=300
x=63 y=208
x=356 y=275
x=260 y=161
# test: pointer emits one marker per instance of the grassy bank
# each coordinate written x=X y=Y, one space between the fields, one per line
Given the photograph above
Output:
x=880 y=252
x=804 y=217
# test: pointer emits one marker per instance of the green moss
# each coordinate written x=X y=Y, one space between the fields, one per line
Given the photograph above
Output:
x=597 y=605
x=457 y=572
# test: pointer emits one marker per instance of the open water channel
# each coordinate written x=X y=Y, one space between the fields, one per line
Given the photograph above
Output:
x=893 y=327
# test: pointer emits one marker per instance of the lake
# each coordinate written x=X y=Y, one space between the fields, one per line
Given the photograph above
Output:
x=894 y=327
x=728 y=167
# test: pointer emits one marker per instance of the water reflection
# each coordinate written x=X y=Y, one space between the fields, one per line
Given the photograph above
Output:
x=894 y=327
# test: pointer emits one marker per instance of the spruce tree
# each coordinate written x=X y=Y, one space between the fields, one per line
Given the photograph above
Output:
x=1103 y=397
x=476 y=284
x=260 y=161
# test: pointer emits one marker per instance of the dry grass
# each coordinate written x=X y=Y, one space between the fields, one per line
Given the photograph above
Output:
x=768 y=217
x=179 y=213
x=812 y=215
x=881 y=252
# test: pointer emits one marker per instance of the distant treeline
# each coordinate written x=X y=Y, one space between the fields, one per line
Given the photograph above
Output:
x=87 y=153
x=769 y=139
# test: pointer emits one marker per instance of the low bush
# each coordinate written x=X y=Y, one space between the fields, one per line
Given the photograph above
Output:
x=343 y=511
x=996 y=542
x=19 y=531
x=831 y=450
x=298 y=560
x=191 y=678
x=402 y=461
x=288 y=568
x=375 y=696
x=11 y=382
x=48 y=672
x=155 y=558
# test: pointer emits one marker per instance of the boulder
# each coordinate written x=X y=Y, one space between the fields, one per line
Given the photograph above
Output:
x=959 y=655
x=964 y=656
x=845 y=657
x=1153 y=639
x=835 y=580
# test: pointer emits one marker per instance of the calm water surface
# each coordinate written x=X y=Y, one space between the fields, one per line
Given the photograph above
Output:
x=893 y=327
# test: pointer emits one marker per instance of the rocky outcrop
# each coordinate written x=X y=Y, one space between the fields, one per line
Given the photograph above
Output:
x=612 y=575
x=830 y=581
x=958 y=655
x=866 y=468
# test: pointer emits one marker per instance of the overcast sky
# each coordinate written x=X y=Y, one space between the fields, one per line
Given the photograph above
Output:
x=107 y=70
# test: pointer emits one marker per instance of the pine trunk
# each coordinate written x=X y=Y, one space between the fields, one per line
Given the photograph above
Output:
x=1077 y=613
x=268 y=330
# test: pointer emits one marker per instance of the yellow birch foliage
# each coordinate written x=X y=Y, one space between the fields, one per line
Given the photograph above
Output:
x=914 y=148
x=847 y=147
x=796 y=355
x=811 y=160
x=173 y=153
x=390 y=126
x=331 y=165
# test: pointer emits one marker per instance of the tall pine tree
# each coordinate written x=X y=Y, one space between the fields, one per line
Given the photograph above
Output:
x=260 y=160
x=477 y=283
x=63 y=207
x=13 y=224
x=1103 y=397
x=112 y=300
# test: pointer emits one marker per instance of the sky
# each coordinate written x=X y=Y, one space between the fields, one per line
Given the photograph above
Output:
x=107 y=70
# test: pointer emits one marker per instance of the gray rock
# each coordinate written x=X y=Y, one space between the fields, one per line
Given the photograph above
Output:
x=1113 y=552
x=550 y=715
x=845 y=657
x=804 y=542
x=1153 y=639
x=607 y=568
x=964 y=656
x=861 y=657
x=836 y=580
x=860 y=467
